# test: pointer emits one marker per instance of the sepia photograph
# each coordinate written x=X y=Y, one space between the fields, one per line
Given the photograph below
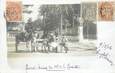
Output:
x=52 y=29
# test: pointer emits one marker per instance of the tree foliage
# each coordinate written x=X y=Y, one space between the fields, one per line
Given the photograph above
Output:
x=54 y=14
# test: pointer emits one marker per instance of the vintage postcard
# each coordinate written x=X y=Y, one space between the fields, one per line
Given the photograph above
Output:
x=51 y=36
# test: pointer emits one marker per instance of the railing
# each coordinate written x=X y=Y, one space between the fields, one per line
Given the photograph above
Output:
x=11 y=34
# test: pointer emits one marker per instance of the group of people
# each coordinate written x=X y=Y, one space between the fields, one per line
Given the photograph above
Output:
x=51 y=43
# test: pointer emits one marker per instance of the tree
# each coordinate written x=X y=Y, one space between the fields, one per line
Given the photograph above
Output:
x=55 y=16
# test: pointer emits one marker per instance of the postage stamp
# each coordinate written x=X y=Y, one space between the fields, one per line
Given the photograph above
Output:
x=105 y=11
x=13 y=11
x=89 y=11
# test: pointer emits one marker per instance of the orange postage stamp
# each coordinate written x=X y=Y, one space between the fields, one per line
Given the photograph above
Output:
x=105 y=11
x=13 y=11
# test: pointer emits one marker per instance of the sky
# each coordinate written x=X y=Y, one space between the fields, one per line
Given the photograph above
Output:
x=34 y=15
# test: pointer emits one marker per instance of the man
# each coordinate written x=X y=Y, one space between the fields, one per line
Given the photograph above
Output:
x=29 y=26
x=29 y=29
x=63 y=44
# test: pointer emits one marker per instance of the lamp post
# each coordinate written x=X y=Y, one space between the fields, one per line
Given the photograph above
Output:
x=80 y=30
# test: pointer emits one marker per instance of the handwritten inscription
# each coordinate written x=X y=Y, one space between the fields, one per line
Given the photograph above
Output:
x=104 y=51
x=56 y=67
x=13 y=11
